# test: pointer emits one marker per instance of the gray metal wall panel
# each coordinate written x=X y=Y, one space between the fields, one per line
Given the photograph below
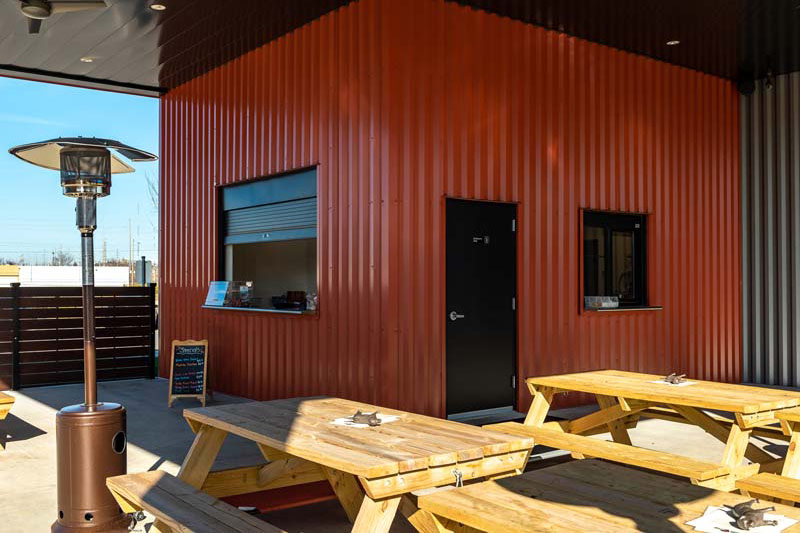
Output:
x=770 y=164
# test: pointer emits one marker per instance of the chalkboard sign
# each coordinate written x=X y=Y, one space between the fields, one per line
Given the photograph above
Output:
x=187 y=376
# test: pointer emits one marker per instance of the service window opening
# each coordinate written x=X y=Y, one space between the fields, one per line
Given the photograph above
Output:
x=269 y=243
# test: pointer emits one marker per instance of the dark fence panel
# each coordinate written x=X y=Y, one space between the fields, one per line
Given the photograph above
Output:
x=41 y=334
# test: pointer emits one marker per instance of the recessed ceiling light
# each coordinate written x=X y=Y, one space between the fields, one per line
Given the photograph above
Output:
x=87 y=60
x=158 y=7
x=673 y=42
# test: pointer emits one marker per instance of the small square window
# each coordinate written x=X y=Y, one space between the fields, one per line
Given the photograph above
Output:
x=614 y=257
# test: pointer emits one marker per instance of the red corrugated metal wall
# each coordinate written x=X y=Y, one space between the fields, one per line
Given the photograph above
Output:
x=403 y=103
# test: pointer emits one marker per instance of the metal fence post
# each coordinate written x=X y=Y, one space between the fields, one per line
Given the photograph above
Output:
x=15 y=384
x=151 y=365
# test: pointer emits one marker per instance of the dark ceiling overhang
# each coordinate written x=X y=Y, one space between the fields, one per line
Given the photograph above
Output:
x=137 y=50
x=734 y=39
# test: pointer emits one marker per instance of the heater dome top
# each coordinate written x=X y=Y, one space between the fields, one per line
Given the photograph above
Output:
x=46 y=154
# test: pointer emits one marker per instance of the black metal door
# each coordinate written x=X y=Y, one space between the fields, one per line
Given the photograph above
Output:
x=481 y=305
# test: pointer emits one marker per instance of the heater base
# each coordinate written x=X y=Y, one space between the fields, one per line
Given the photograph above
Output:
x=116 y=526
x=92 y=446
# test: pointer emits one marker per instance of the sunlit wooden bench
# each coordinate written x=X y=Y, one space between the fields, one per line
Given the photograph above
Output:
x=701 y=472
x=771 y=485
x=786 y=486
x=6 y=401
x=586 y=495
x=180 y=507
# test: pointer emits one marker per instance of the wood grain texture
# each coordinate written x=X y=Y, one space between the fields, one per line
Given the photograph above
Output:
x=200 y=458
x=588 y=495
x=376 y=516
x=772 y=485
x=347 y=490
x=623 y=453
x=703 y=394
x=182 y=507
x=303 y=428
x=790 y=415
x=244 y=480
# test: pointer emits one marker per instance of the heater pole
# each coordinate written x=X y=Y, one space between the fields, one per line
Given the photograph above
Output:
x=86 y=220
x=89 y=370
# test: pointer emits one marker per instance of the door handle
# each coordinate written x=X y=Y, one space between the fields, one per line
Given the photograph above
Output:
x=455 y=316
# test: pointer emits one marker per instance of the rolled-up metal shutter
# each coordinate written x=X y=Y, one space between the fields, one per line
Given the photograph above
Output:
x=277 y=209
x=296 y=219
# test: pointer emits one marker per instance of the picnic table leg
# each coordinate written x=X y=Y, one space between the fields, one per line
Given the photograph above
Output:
x=347 y=489
x=720 y=432
x=201 y=456
x=791 y=465
x=376 y=516
x=617 y=427
x=736 y=446
x=197 y=463
x=542 y=397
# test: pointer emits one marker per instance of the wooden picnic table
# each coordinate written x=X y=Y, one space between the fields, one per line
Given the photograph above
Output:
x=588 y=495
x=624 y=396
x=372 y=470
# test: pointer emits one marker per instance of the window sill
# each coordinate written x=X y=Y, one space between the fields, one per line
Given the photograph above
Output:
x=613 y=310
x=262 y=310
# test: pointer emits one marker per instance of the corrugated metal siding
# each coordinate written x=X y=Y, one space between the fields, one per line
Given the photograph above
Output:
x=404 y=103
x=771 y=232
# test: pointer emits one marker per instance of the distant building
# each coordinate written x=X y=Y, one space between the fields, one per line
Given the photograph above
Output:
x=61 y=276
x=8 y=274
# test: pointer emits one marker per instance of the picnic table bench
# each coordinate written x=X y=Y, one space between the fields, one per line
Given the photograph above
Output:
x=371 y=469
x=625 y=396
x=590 y=495
x=180 y=507
x=6 y=401
x=785 y=486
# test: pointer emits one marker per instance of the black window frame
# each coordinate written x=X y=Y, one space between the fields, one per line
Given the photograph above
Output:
x=616 y=221
x=228 y=199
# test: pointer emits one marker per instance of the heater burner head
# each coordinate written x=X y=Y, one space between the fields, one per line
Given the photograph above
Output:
x=85 y=171
x=86 y=163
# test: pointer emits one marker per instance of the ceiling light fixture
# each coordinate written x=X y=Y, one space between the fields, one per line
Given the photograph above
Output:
x=158 y=7
x=87 y=60
x=673 y=42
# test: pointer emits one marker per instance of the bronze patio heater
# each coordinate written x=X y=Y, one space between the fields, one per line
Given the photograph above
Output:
x=91 y=439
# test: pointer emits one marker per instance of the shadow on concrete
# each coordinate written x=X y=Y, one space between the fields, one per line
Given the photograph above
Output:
x=152 y=426
x=14 y=429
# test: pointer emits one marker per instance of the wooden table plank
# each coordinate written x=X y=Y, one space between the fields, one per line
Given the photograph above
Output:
x=303 y=427
x=704 y=394
x=589 y=495
x=370 y=468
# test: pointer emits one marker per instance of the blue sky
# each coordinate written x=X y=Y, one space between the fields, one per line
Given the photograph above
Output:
x=34 y=216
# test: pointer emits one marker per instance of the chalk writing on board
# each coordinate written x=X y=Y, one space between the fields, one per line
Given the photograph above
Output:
x=188 y=370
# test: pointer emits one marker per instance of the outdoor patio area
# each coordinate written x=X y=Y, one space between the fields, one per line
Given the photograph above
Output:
x=159 y=438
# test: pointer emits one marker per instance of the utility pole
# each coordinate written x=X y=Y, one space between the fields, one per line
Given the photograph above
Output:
x=105 y=258
x=130 y=254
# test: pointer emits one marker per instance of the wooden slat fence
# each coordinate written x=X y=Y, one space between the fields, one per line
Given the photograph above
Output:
x=41 y=334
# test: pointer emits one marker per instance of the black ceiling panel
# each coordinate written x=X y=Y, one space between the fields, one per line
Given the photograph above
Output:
x=136 y=49
x=735 y=39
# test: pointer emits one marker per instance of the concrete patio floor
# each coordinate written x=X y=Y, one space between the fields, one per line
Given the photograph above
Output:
x=159 y=438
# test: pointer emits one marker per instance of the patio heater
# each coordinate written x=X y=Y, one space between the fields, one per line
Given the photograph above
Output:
x=91 y=438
